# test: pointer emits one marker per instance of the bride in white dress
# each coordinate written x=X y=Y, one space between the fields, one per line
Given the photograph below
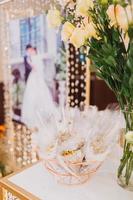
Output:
x=37 y=97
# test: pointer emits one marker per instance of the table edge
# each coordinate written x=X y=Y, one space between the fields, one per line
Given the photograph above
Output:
x=15 y=189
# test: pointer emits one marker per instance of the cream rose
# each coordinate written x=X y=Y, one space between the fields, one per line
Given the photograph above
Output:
x=129 y=12
x=54 y=18
x=121 y=17
x=111 y=15
x=126 y=40
x=78 y=37
x=67 y=31
x=90 y=30
x=83 y=7
x=129 y=137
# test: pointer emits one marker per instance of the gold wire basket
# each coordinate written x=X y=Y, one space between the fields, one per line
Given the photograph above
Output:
x=77 y=147
x=72 y=173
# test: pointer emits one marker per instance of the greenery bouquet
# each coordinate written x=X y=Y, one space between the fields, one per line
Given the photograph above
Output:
x=105 y=27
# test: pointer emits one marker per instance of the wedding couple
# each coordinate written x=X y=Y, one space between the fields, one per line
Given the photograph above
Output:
x=37 y=97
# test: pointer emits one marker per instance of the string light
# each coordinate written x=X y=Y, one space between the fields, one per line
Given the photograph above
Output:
x=25 y=150
x=76 y=77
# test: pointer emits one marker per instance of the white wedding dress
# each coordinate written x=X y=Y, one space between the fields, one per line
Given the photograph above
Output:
x=37 y=97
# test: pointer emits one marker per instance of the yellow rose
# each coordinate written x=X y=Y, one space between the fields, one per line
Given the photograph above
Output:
x=78 y=37
x=67 y=31
x=83 y=7
x=129 y=12
x=126 y=40
x=129 y=137
x=121 y=17
x=117 y=15
x=111 y=15
x=54 y=18
x=90 y=30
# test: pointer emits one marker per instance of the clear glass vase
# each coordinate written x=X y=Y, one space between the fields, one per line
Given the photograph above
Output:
x=125 y=170
x=122 y=182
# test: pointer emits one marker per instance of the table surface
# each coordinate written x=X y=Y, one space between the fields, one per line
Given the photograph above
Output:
x=102 y=186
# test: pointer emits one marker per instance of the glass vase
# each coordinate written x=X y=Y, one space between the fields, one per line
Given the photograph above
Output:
x=125 y=170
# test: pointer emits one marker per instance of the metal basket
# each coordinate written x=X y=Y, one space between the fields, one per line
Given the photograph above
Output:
x=72 y=173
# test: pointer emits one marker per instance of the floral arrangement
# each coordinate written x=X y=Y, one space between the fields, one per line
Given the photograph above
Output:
x=78 y=142
x=105 y=28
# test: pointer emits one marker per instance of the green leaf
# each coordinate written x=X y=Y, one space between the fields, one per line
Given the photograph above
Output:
x=130 y=32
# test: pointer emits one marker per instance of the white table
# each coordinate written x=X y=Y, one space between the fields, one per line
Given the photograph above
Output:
x=103 y=186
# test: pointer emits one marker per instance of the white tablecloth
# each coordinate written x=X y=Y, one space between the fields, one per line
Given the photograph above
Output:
x=103 y=186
